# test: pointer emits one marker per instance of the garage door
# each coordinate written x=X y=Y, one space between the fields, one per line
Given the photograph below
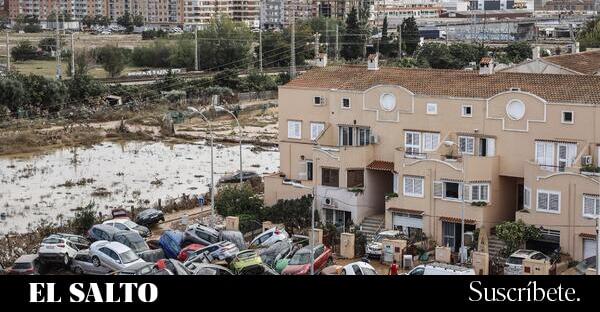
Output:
x=589 y=248
x=408 y=220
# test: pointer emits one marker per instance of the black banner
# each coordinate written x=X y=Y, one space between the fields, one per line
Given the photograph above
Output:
x=282 y=292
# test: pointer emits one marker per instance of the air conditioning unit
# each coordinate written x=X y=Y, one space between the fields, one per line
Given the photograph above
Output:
x=374 y=139
x=323 y=101
x=328 y=201
x=586 y=160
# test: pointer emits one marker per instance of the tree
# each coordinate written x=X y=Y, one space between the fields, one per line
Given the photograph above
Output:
x=589 y=36
x=12 y=93
x=386 y=47
x=138 y=20
x=464 y=53
x=182 y=54
x=43 y=93
x=233 y=201
x=113 y=60
x=23 y=51
x=256 y=81
x=410 y=35
x=88 y=21
x=352 y=40
x=126 y=21
x=82 y=88
x=436 y=54
x=47 y=44
x=84 y=219
x=101 y=20
x=83 y=61
x=519 y=51
x=295 y=214
x=222 y=44
x=515 y=234
x=227 y=78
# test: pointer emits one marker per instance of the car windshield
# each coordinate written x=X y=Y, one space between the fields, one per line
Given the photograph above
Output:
x=130 y=224
x=139 y=245
x=586 y=264
x=247 y=255
x=368 y=271
x=128 y=257
x=300 y=258
x=22 y=266
x=515 y=260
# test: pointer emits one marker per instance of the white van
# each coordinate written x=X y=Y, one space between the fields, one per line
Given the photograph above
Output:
x=440 y=269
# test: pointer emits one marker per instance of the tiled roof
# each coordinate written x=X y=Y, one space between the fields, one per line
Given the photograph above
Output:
x=587 y=63
x=453 y=83
x=381 y=165
x=457 y=220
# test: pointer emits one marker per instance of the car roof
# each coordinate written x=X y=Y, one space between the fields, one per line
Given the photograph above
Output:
x=27 y=258
x=127 y=234
x=117 y=220
x=307 y=248
x=523 y=253
x=149 y=211
x=203 y=228
x=117 y=247
x=106 y=228
x=389 y=233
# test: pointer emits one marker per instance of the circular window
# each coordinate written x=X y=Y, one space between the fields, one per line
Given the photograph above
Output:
x=387 y=101
x=515 y=109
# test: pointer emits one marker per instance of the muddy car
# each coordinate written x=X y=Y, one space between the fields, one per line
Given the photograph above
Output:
x=135 y=241
x=25 y=265
x=149 y=217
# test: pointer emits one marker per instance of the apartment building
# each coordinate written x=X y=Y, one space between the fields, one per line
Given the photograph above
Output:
x=420 y=145
x=271 y=14
x=299 y=10
x=502 y=5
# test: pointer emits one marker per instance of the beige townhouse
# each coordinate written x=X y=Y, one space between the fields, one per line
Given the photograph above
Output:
x=417 y=147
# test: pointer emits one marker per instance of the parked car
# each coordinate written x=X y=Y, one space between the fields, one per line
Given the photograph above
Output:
x=514 y=263
x=374 y=248
x=275 y=252
x=128 y=225
x=207 y=269
x=149 y=217
x=282 y=262
x=261 y=269
x=235 y=237
x=300 y=263
x=170 y=242
x=56 y=248
x=588 y=263
x=269 y=237
x=101 y=232
x=82 y=264
x=235 y=178
x=25 y=265
x=245 y=260
x=219 y=251
x=185 y=253
x=440 y=269
x=79 y=241
x=140 y=268
x=135 y=241
x=173 y=265
x=200 y=234
x=113 y=255
x=358 y=268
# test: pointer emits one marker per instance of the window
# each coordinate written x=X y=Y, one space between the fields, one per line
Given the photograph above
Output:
x=363 y=136
x=413 y=186
x=412 y=143
x=526 y=197
x=467 y=111
x=591 y=206
x=354 y=136
x=430 y=141
x=545 y=155
x=452 y=190
x=487 y=147
x=568 y=117
x=355 y=178
x=431 y=108
x=480 y=192
x=309 y=170
x=315 y=130
x=345 y=103
x=548 y=201
x=395 y=183
x=448 y=234
x=466 y=144
x=318 y=100
x=346 y=136
x=294 y=129
x=330 y=177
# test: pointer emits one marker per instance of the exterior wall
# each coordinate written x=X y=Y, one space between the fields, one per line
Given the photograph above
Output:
x=539 y=67
x=504 y=171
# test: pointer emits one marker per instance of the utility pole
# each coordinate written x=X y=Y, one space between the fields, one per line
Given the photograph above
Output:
x=72 y=55
x=7 y=53
x=196 y=65
x=337 y=42
x=400 y=42
x=327 y=33
x=260 y=50
x=447 y=34
x=316 y=44
x=58 y=60
x=598 y=244
x=293 y=47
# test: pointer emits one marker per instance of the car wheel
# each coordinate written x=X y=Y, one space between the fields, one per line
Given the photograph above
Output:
x=66 y=259
x=78 y=271
x=96 y=261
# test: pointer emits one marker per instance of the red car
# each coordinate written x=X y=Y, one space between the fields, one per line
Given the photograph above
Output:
x=300 y=262
x=184 y=254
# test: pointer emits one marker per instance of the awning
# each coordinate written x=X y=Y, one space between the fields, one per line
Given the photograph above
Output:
x=381 y=165
x=409 y=211
x=588 y=236
x=457 y=220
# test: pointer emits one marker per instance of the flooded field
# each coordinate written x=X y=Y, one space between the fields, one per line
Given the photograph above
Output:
x=53 y=185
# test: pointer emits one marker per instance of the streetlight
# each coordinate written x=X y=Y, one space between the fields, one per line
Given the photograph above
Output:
x=223 y=109
x=312 y=225
x=463 y=251
x=212 y=161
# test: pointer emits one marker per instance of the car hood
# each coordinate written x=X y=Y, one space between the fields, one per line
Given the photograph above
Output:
x=374 y=245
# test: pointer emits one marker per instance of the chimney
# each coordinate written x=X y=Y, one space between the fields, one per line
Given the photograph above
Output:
x=536 y=52
x=486 y=66
x=373 y=61
x=321 y=60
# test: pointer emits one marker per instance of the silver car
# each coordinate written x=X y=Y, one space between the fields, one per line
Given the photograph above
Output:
x=82 y=264
x=113 y=255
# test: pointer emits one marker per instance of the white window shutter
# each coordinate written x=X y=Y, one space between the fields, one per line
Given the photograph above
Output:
x=571 y=154
x=467 y=191
x=549 y=154
x=302 y=175
x=484 y=193
x=554 y=202
x=589 y=204
x=542 y=201
x=418 y=185
x=438 y=189
x=491 y=147
x=395 y=183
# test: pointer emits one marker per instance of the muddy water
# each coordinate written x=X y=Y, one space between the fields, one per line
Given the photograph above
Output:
x=51 y=186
